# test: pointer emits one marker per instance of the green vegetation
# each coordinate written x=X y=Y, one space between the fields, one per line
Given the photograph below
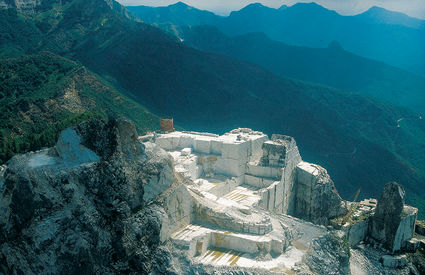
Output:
x=332 y=66
x=18 y=35
x=361 y=141
x=40 y=95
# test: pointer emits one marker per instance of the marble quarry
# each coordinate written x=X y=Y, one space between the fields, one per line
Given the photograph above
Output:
x=244 y=194
x=193 y=203
x=235 y=186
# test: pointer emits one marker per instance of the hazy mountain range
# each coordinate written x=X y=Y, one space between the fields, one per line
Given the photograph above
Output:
x=362 y=141
x=391 y=37
x=332 y=66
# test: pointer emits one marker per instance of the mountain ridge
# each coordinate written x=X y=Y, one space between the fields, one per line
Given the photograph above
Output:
x=301 y=25
x=209 y=92
x=42 y=94
x=332 y=66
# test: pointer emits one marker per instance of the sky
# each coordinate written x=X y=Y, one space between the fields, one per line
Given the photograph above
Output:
x=415 y=8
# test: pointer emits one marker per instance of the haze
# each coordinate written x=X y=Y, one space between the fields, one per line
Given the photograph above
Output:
x=414 y=8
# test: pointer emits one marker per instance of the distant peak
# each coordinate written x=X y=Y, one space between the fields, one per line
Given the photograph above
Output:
x=310 y=4
x=311 y=7
x=179 y=5
x=283 y=7
x=255 y=5
x=376 y=8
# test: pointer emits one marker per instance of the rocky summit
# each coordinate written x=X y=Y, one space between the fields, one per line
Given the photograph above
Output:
x=80 y=207
x=106 y=200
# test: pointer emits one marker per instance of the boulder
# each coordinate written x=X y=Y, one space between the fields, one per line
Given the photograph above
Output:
x=358 y=232
x=82 y=206
x=316 y=199
x=393 y=223
x=394 y=261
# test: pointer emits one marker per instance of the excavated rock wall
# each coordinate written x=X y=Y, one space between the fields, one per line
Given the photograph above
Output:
x=393 y=223
x=281 y=151
x=316 y=199
x=65 y=213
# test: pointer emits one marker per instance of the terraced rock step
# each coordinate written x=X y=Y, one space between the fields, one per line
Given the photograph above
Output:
x=253 y=203
x=197 y=239
x=236 y=182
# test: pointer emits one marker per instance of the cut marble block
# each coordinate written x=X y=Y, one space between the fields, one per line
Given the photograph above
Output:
x=196 y=239
x=254 y=169
x=186 y=141
x=216 y=147
x=237 y=151
x=218 y=186
x=272 y=197
x=230 y=167
x=202 y=145
x=258 y=182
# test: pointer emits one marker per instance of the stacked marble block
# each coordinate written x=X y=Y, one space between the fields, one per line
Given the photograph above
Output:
x=225 y=161
x=226 y=155
x=202 y=239
x=274 y=173
x=243 y=155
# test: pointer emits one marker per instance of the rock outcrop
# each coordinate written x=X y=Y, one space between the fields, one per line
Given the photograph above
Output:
x=104 y=200
x=282 y=151
x=317 y=199
x=393 y=222
x=81 y=207
x=329 y=254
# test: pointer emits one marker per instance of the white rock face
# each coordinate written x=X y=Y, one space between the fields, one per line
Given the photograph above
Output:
x=160 y=179
x=316 y=197
x=393 y=222
x=223 y=214
x=179 y=206
x=406 y=228
x=291 y=159
x=228 y=212
x=70 y=149
x=358 y=232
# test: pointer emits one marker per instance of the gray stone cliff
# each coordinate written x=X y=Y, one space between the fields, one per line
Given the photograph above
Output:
x=80 y=207
x=393 y=222
x=317 y=199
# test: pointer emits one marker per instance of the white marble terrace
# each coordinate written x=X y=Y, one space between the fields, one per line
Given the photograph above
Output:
x=236 y=182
